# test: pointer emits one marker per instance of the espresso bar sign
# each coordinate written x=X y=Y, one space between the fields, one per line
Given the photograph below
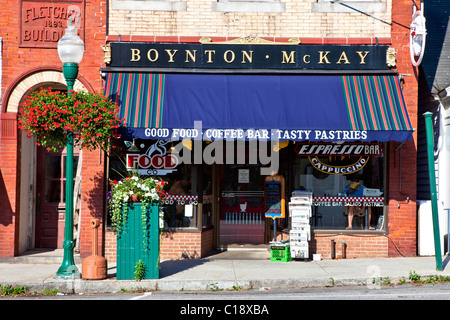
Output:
x=248 y=56
x=43 y=23
x=341 y=150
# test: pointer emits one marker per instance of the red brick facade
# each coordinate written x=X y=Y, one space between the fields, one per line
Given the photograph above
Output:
x=18 y=62
x=8 y=182
x=402 y=220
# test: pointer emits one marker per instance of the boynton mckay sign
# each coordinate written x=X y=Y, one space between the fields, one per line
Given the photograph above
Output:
x=248 y=56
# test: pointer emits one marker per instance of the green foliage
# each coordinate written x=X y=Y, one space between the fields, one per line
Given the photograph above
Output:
x=139 y=270
x=48 y=115
x=50 y=292
x=414 y=277
x=9 y=290
x=146 y=190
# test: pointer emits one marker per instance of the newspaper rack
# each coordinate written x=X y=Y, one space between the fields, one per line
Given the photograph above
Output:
x=300 y=234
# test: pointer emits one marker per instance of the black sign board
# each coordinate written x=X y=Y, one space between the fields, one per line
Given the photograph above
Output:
x=274 y=192
x=247 y=56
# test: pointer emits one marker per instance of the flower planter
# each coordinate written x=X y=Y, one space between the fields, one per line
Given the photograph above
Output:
x=139 y=241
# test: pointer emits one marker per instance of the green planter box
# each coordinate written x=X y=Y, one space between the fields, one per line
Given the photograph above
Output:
x=131 y=245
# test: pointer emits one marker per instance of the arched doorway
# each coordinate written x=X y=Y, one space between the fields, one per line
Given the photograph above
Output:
x=41 y=219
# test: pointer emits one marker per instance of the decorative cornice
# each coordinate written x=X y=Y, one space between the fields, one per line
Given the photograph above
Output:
x=276 y=40
x=249 y=40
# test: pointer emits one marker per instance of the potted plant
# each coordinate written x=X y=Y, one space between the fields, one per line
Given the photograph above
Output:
x=134 y=204
x=47 y=115
x=132 y=189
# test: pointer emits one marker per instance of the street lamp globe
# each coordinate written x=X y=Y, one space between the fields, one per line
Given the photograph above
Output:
x=70 y=46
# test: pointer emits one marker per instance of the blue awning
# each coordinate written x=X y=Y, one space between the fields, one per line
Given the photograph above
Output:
x=283 y=107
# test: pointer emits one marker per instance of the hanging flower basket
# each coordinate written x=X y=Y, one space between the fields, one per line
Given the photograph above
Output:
x=48 y=115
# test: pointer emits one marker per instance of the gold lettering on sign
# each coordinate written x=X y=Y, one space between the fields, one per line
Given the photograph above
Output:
x=335 y=56
x=149 y=55
x=324 y=57
x=171 y=54
x=135 y=55
x=343 y=57
x=363 y=57
x=307 y=58
x=190 y=55
x=210 y=53
x=290 y=58
x=248 y=56
x=226 y=58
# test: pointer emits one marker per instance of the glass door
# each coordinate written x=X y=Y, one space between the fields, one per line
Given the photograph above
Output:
x=242 y=205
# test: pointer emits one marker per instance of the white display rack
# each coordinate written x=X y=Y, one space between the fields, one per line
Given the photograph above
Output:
x=300 y=234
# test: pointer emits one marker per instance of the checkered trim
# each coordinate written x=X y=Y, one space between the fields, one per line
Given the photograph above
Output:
x=183 y=197
x=348 y=199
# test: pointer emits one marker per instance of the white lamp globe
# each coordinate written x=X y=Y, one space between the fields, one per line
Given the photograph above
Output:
x=70 y=46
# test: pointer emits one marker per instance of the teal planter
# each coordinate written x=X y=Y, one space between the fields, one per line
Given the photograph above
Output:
x=139 y=241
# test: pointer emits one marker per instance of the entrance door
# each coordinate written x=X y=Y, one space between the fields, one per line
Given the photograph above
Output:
x=50 y=198
x=242 y=205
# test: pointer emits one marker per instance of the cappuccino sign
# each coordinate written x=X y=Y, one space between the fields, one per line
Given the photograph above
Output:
x=340 y=158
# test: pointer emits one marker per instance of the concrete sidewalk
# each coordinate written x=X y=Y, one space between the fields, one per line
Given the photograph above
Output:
x=222 y=271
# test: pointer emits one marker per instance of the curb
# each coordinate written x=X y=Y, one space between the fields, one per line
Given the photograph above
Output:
x=80 y=286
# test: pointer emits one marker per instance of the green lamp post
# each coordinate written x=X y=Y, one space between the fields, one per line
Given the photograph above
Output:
x=70 y=51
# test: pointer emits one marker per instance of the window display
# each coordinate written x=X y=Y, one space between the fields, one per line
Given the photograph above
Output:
x=180 y=208
x=347 y=181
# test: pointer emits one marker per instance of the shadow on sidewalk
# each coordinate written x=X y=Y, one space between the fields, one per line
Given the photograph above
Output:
x=171 y=267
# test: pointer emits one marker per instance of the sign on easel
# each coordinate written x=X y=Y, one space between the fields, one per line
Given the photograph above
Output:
x=274 y=191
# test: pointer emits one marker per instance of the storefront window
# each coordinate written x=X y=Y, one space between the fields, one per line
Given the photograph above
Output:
x=181 y=207
x=346 y=181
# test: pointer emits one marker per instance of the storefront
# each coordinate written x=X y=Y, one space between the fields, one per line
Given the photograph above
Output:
x=234 y=129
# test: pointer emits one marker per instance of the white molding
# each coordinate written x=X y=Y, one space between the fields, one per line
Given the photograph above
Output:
x=156 y=5
x=248 y=6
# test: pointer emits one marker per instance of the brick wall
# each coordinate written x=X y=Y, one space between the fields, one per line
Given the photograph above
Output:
x=180 y=245
x=8 y=181
x=357 y=246
x=110 y=246
x=201 y=19
x=402 y=220
x=92 y=199
x=17 y=63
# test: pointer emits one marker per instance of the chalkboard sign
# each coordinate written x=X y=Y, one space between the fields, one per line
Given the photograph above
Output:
x=274 y=192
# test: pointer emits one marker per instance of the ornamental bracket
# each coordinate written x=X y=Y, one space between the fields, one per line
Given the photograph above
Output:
x=107 y=51
x=391 y=57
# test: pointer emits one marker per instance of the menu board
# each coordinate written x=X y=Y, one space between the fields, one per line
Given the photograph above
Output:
x=274 y=192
